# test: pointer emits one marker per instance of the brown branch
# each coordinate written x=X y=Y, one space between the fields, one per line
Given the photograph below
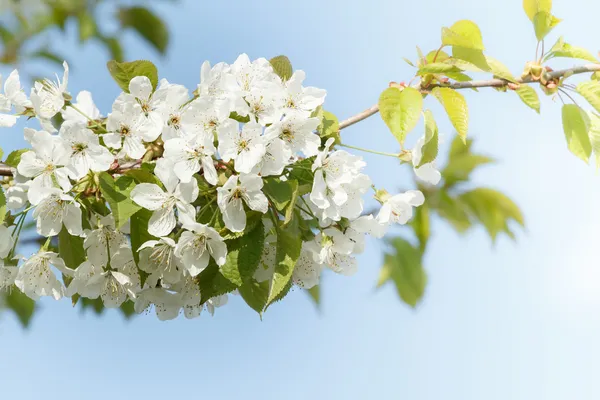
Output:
x=374 y=109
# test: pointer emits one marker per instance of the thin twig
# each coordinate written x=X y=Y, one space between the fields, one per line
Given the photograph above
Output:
x=374 y=109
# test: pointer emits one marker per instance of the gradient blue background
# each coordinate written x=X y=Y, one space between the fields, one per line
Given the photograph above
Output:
x=510 y=321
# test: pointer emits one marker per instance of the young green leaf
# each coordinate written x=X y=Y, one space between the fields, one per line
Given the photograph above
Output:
x=543 y=23
x=283 y=194
x=14 y=158
x=463 y=33
x=315 y=294
x=282 y=67
x=118 y=194
x=87 y=26
x=590 y=90
x=562 y=49
x=2 y=206
x=403 y=266
x=469 y=59
x=533 y=7
x=456 y=108
x=430 y=147
x=255 y=294
x=576 y=125
x=329 y=127
x=500 y=70
x=21 y=305
x=400 y=110
x=147 y=24
x=529 y=96
x=212 y=283
x=437 y=68
x=123 y=72
x=289 y=245
x=453 y=210
x=421 y=225
x=138 y=228
x=594 y=134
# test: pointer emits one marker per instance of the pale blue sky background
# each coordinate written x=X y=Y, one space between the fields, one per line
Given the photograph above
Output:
x=510 y=321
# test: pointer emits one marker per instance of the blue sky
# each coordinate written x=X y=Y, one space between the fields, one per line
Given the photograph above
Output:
x=517 y=321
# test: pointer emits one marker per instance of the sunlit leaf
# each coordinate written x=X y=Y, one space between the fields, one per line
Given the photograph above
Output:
x=576 y=125
x=400 y=110
x=529 y=96
x=456 y=108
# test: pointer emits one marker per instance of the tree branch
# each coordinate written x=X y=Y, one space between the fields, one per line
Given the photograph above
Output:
x=5 y=170
x=374 y=109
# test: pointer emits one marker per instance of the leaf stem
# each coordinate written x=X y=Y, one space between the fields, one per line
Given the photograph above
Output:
x=381 y=153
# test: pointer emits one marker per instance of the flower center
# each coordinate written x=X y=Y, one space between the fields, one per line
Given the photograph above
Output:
x=79 y=147
x=174 y=121
x=125 y=130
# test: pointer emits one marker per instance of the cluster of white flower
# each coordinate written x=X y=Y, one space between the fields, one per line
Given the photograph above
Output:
x=211 y=151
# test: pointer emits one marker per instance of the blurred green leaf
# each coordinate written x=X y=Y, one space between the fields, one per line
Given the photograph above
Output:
x=463 y=33
x=21 y=305
x=461 y=162
x=87 y=26
x=421 y=225
x=403 y=267
x=453 y=211
x=147 y=24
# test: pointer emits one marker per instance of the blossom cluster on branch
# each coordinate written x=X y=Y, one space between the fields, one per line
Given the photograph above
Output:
x=175 y=200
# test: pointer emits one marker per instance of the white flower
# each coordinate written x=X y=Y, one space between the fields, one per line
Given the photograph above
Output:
x=128 y=129
x=299 y=99
x=157 y=257
x=277 y=156
x=16 y=196
x=232 y=196
x=113 y=286
x=85 y=104
x=103 y=240
x=297 y=133
x=191 y=154
x=6 y=241
x=426 y=172
x=172 y=101
x=263 y=106
x=178 y=196
x=335 y=251
x=56 y=209
x=202 y=117
x=13 y=97
x=245 y=147
x=86 y=152
x=252 y=75
x=45 y=164
x=307 y=271
x=216 y=302
x=36 y=278
x=197 y=244
x=8 y=273
x=47 y=97
x=141 y=101
x=167 y=305
x=399 y=208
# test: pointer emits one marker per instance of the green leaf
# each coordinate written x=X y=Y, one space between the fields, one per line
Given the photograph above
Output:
x=493 y=210
x=456 y=108
x=48 y=56
x=243 y=255
x=596 y=76
x=562 y=49
x=594 y=134
x=329 y=127
x=14 y=158
x=87 y=26
x=439 y=57
x=212 y=283
x=118 y=194
x=21 y=305
x=147 y=24
x=114 y=47
x=70 y=249
x=461 y=162
x=124 y=72
x=2 y=206
x=302 y=172
x=421 y=225
x=282 y=67
x=590 y=90
x=138 y=228
x=500 y=70
x=576 y=125
x=543 y=23
x=454 y=211
x=469 y=59
x=430 y=147
x=283 y=194
x=255 y=294
x=463 y=33
x=400 y=110
x=127 y=309
x=529 y=96
x=437 y=68
x=315 y=294
x=533 y=7
x=140 y=175
x=403 y=266
x=289 y=245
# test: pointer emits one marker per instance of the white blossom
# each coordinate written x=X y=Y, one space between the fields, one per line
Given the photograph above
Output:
x=297 y=133
x=197 y=244
x=157 y=257
x=36 y=278
x=103 y=240
x=191 y=154
x=399 y=208
x=86 y=152
x=47 y=97
x=232 y=196
x=426 y=172
x=245 y=147
x=13 y=96
x=299 y=99
x=54 y=210
x=85 y=104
